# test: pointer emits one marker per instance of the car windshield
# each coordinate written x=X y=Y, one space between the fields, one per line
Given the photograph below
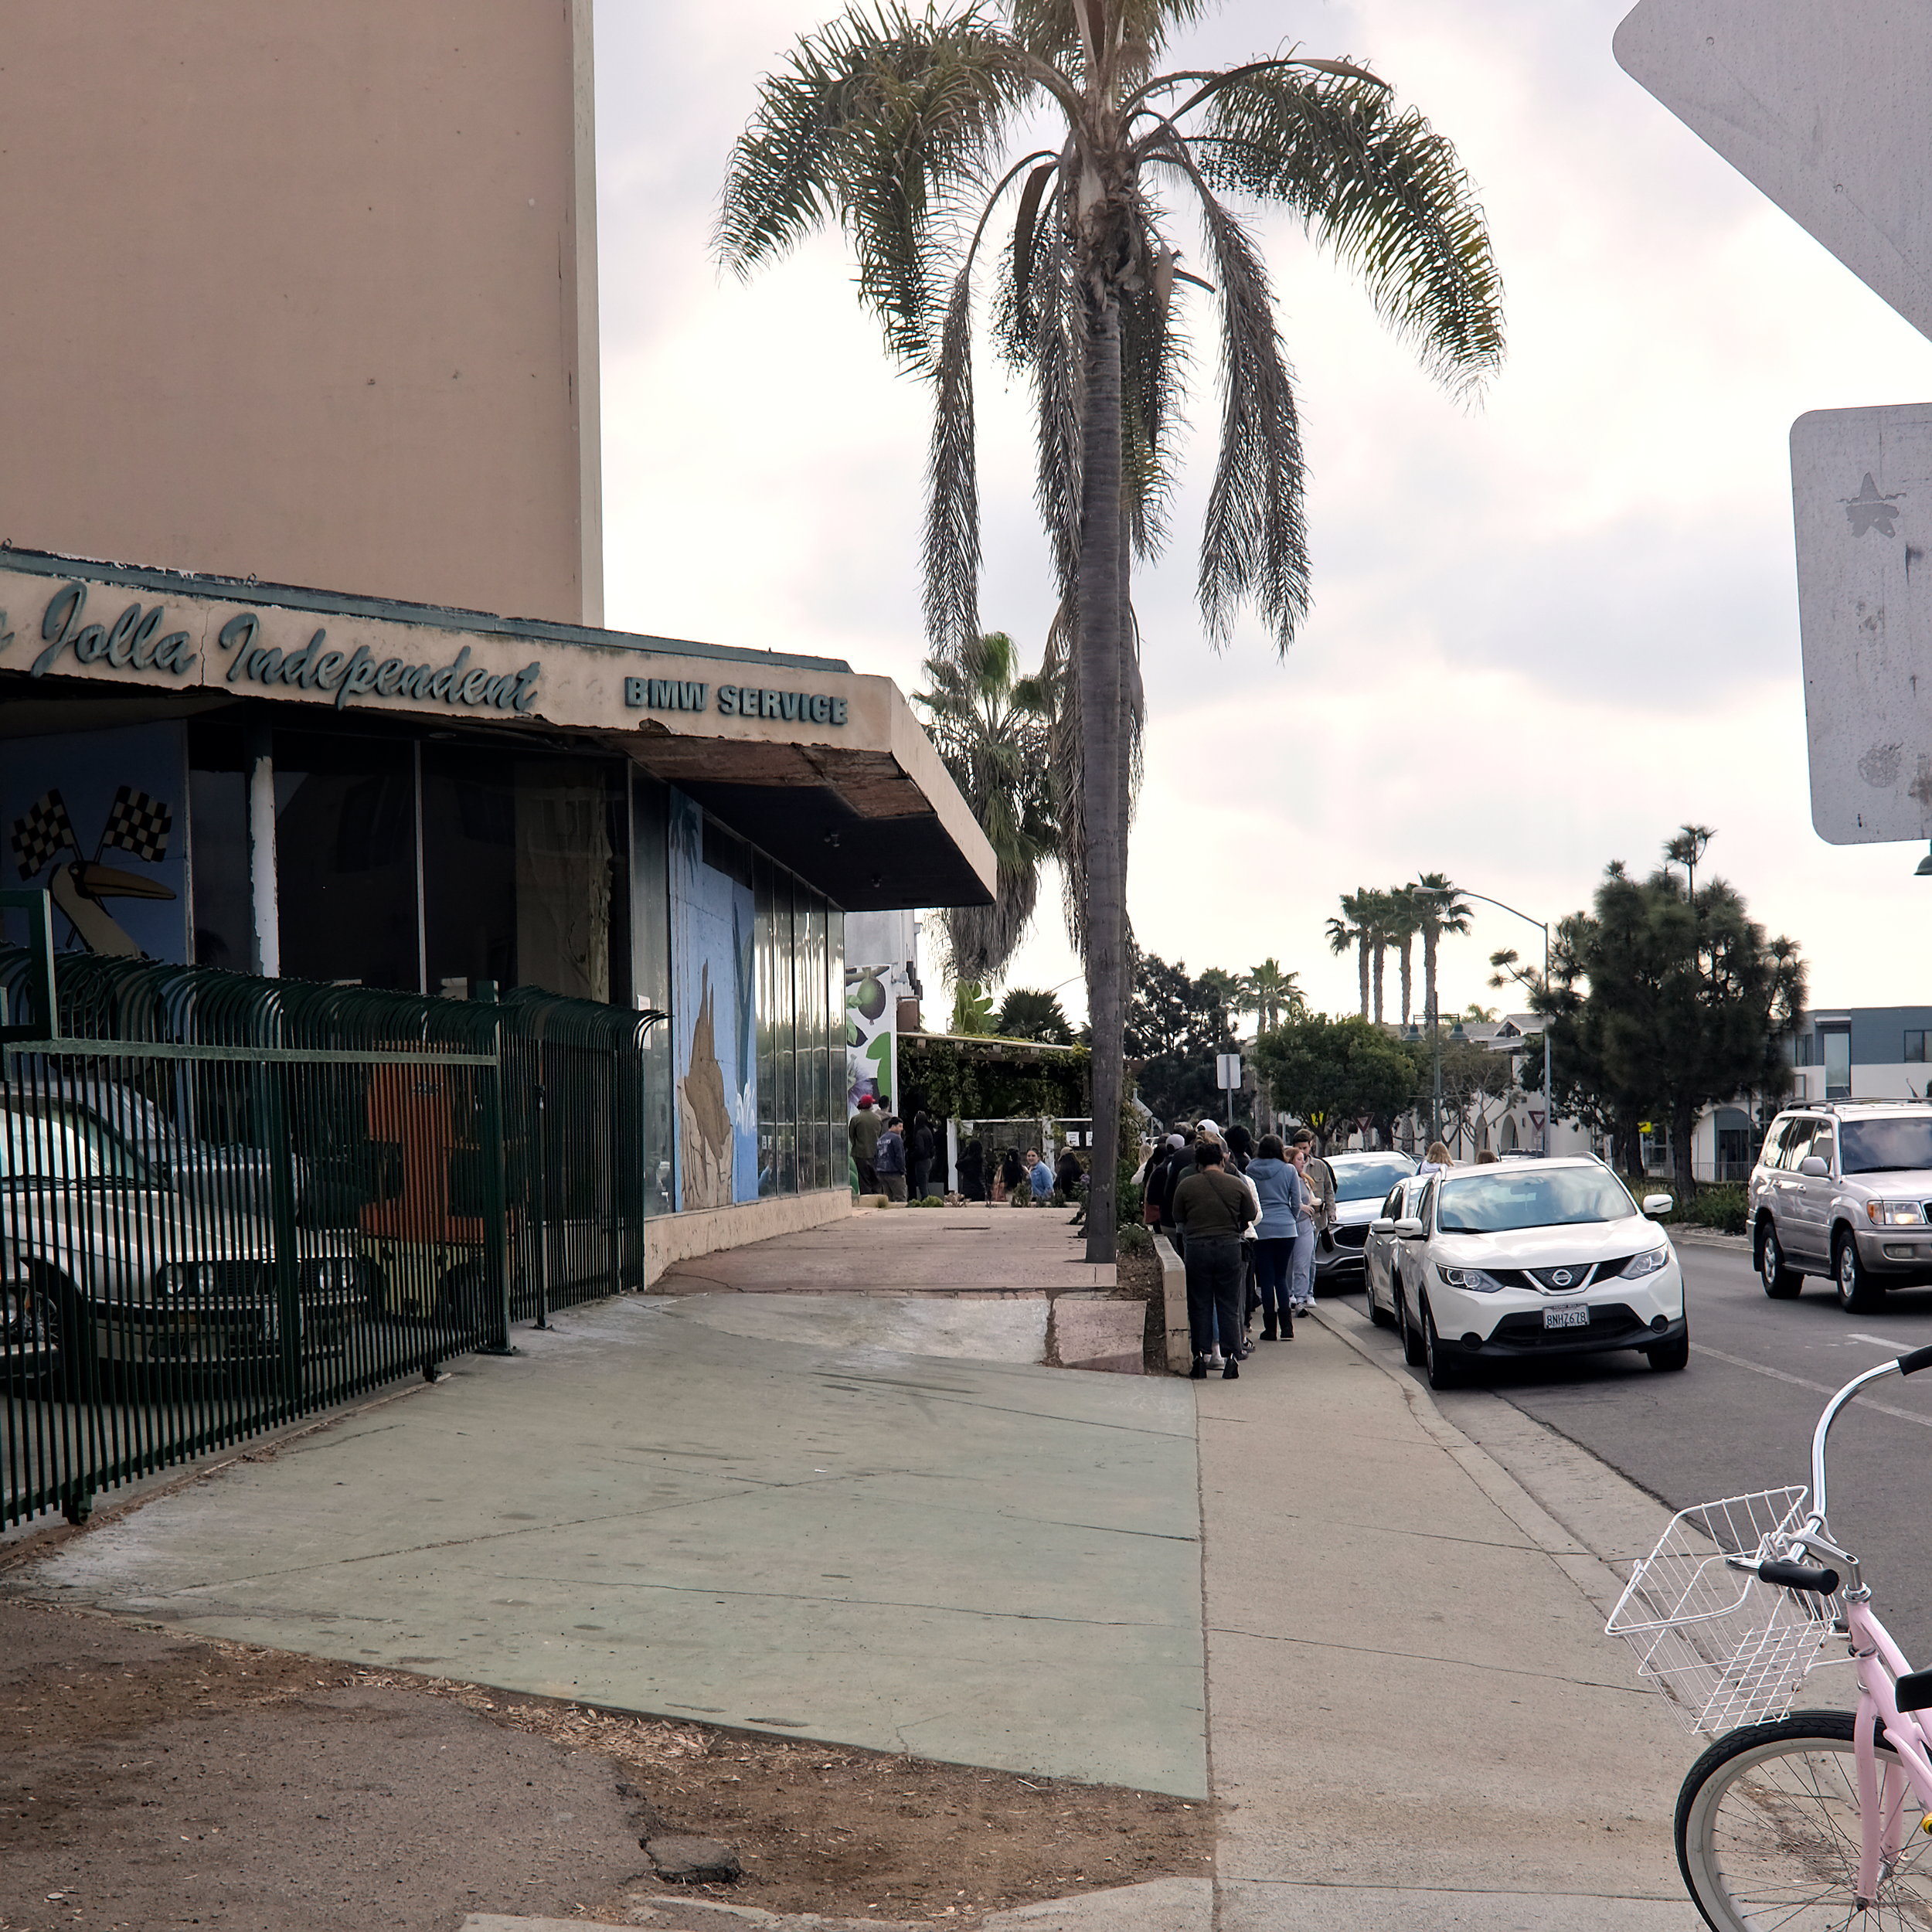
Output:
x=1543 y=1197
x=1886 y=1147
x=1367 y=1180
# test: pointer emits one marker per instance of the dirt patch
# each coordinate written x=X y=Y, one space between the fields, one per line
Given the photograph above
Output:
x=153 y=1780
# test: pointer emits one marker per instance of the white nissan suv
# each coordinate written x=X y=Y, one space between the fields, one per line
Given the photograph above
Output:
x=1529 y=1259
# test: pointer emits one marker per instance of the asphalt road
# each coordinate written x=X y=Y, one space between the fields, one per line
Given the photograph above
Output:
x=1741 y=1417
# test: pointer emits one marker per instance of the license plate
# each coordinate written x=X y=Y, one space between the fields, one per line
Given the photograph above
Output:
x=1566 y=1317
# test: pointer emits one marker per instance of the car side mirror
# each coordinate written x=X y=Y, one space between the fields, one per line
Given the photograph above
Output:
x=1382 y=1225
x=1814 y=1168
x=1408 y=1228
x=1659 y=1203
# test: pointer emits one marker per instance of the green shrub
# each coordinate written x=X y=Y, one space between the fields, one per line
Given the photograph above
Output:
x=1723 y=1205
x=1132 y=1238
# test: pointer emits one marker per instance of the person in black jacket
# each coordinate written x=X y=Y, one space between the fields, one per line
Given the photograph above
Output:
x=972 y=1170
x=920 y=1149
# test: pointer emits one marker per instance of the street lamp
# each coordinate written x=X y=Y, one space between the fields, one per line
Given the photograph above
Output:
x=1549 y=1094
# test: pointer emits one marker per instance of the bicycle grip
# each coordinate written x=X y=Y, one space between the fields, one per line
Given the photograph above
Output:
x=1909 y=1365
x=1798 y=1576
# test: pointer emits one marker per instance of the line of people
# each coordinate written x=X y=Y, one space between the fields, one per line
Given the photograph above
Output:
x=1245 y=1225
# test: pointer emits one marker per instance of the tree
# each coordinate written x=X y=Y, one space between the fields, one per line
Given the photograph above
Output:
x=1660 y=1005
x=1379 y=919
x=1175 y=1028
x=1348 y=935
x=1026 y=1014
x=992 y=728
x=1442 y=910
x=1335 y=1072
x=1474 y=1078
x=898 y=125
x=1403 y=924
x=972 y=1009
x=1686 y=849
x=1270 y=995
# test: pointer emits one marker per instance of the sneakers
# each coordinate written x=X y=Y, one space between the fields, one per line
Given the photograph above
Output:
x=1214 y=1360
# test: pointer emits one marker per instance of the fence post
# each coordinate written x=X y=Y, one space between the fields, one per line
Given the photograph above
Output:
x=281 y=1200
x=496 y=1226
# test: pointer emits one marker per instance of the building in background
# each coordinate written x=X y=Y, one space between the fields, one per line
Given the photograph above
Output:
x=307 y=293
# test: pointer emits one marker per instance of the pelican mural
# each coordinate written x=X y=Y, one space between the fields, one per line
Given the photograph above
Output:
x=137 y=825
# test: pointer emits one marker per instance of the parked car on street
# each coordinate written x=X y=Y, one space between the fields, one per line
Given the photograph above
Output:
x=1382 y=1250
x=1533 y=1259
x=102 y=1262
x=1361 y=1181
x=1844 y=1189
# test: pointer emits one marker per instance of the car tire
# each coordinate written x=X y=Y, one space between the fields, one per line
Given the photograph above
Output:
x=1442 y=1373
x=1781 y=1282
x=1673 y=1354
x=1411 y=1341
x=1858 y=1294
x=1378 y=1314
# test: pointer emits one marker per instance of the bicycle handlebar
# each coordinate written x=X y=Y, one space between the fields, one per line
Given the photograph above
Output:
x=1909 y=1364
x=1813 y=1577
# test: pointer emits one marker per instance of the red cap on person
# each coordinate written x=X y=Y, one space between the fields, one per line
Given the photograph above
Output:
x=864 y=1099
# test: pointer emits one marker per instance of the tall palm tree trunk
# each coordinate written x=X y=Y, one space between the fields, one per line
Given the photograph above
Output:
x=1381 y=956
x=1102 y=604
x=1362 y=968
x=1408 y=978
x=1429 y=1013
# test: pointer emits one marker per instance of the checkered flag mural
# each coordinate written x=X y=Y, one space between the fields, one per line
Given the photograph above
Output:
x=42 y=833
x=139 y=825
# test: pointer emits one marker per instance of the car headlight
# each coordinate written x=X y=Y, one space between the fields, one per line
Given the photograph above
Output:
x=1473 y=1279
x=1894 y=1214
x=335 y=1275
x=178 y=1280
x=1648 y=1262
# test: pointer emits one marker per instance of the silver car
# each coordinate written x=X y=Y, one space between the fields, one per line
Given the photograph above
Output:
x=102 y=1261
x=1844 y=1190
x=1361 y=1182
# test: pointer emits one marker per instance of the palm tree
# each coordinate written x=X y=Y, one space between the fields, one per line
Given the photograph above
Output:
x=1027 y=1013
x=1379 y=918
x=1272 y=995
x=992 y=729
x=898 y=125
x=1442 y=909
x=1404 y=927
x=1349 y=931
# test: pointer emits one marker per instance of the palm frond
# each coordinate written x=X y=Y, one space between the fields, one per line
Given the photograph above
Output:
x=884 y=122
x=1382 y=189
x=1254 y=537
x=952 y=515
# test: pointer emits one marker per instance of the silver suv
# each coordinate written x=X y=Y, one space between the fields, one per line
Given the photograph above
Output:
x=1845 y=1190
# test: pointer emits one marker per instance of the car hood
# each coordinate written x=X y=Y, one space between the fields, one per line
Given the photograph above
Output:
x=1351 y=1214
x=1551 y=1247
x=1909 y=1181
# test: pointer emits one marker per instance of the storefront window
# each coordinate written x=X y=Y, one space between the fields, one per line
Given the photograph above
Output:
x=345 y=858
x=469 y=867
x=222 y=899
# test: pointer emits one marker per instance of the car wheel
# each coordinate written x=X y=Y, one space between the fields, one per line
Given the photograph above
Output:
x=1411 y=1342
x=1780 y=1283
x=1442 y=1374
x=1674 y=1354
x=1858 y=1294
x=1378 y=1314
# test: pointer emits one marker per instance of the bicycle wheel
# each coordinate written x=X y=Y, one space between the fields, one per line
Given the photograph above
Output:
x=1768 y=1832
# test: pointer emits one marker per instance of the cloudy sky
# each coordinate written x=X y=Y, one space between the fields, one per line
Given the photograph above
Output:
x=1547 y=629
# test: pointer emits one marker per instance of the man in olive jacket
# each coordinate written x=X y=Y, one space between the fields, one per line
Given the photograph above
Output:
x=1212 y=1207
x=864 y=1129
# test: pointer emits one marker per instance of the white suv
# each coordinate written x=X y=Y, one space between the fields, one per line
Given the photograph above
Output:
x=1529 y=1259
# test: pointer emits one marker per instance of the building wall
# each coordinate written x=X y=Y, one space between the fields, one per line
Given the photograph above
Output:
x=305 y=293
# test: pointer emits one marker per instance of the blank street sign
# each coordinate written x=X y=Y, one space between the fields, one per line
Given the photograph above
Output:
x=1825 y=105
x=1227 y=1070
x=1861 y=491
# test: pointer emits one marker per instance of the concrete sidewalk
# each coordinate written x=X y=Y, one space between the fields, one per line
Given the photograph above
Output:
x=1306 y=1590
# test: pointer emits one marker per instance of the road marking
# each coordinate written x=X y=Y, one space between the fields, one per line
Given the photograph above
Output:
x=1889 y=1342
x=1800 y=1381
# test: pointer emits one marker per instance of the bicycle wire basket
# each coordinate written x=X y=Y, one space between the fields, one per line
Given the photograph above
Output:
x=1725 y=1648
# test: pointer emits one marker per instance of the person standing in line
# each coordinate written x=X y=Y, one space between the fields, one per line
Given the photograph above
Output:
x=1302 y=1262
x=1278 y=1189
x=1437 y=1160
x=918 y=1152
x=1039 y=1177
x=863 y=1130
x=1234 y=1341
x=1318 y=1177
x=1068 y=1174
x=1212 y=1207
x=1162 y=1178
x=972 y=1171
x=1012 y=1177
x=889 y=1159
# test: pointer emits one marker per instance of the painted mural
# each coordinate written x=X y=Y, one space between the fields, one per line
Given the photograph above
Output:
x=872 y=1014
x=714 y=987
x=98 y=819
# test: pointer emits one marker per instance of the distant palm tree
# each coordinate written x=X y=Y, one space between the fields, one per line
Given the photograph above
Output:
x=1443 y=911
x=1027 y=1013
x=1272 y=995
x=1378 y=916
x=1404 y=927
x=1350 y=931
x=899 y=124
x=992 y=728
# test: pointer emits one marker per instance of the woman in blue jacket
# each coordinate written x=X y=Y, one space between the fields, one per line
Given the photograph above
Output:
x=1281 y=1190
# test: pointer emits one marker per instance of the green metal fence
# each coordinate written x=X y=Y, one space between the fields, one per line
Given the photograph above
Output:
x=226 y=1202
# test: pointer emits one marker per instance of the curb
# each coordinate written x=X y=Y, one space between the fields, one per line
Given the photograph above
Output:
x=1180 y=1339
x=1594 y=1578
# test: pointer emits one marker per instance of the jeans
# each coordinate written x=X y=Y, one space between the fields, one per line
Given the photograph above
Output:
x=1272 y=1256
x=1301 y=1268
x=1214 y=1270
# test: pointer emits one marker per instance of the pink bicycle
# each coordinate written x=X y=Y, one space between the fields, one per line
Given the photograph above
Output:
x=1808 y=1820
